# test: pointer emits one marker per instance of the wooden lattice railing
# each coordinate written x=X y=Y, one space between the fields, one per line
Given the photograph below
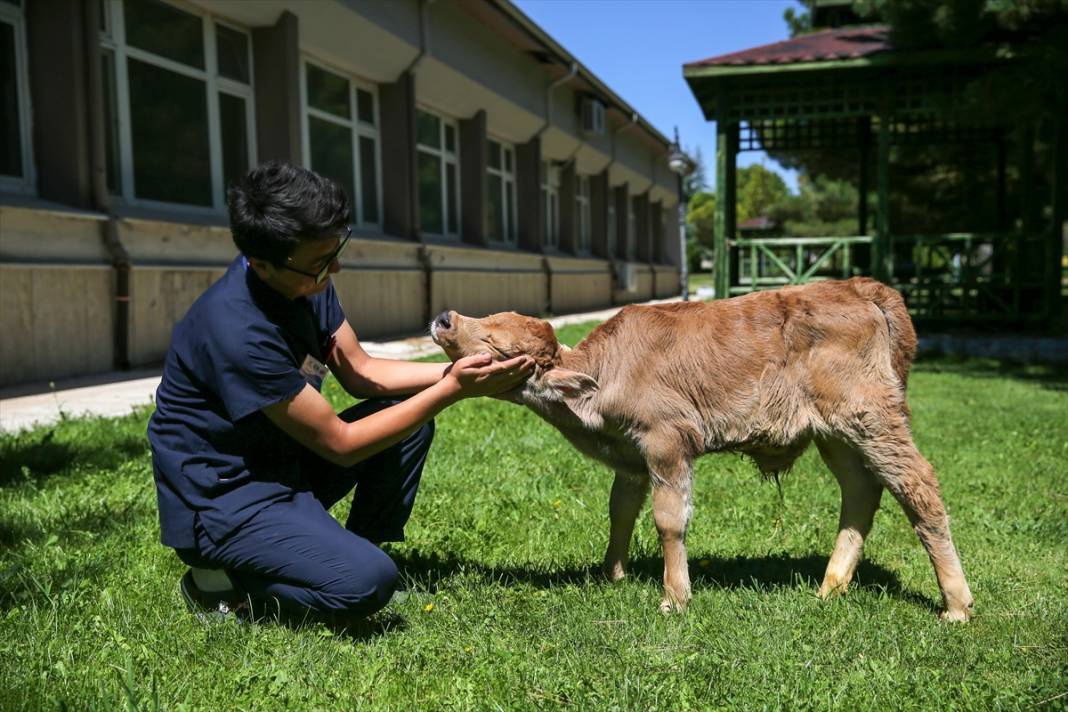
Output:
x=979 y=277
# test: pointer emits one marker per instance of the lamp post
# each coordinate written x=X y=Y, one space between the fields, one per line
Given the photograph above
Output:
x=682 y=166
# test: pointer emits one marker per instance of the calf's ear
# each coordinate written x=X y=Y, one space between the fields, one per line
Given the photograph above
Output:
x=562 y=384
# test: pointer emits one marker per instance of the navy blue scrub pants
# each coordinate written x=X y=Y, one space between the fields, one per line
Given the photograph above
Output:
x=295 y=555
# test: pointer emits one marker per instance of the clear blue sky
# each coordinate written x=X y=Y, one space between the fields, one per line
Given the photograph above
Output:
x=638 y=48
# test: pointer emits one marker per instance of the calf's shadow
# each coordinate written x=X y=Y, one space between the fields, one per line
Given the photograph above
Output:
x=753 y=573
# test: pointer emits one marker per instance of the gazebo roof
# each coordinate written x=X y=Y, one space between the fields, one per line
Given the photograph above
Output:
x=827 y=45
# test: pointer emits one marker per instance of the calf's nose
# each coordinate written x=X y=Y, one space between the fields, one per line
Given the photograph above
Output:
x=442 y=320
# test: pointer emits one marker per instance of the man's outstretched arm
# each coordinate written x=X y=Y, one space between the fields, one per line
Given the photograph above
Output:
x=367 y=377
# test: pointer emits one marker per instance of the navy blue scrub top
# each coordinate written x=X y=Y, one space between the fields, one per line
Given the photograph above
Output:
x=240 y=348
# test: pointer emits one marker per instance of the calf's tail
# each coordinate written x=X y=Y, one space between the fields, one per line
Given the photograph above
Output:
x=898 y=321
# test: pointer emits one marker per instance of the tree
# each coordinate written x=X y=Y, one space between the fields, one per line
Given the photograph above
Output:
x=697 y=180
x=823 y=208
x=758 y=190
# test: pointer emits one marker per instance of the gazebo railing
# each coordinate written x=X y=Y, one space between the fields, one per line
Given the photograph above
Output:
x=981 y=277
x=768 y=262
x=977 y=277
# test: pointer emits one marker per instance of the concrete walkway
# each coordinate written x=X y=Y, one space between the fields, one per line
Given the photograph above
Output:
x=114 y=394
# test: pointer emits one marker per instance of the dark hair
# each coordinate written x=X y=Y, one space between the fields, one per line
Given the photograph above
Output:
x=277 y=206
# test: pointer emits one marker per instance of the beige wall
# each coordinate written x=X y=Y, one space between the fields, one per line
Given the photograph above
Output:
x=57 y=320
x=54 y=322
x=159 y=297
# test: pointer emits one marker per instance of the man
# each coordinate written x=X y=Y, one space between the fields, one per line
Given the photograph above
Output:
x=249 y=456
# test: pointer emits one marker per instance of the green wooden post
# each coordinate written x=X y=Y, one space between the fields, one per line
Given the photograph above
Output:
x=881 y=248
x=726 y=200
x=1059 y=205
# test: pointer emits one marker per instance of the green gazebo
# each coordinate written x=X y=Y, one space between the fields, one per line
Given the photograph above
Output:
x=848 y=91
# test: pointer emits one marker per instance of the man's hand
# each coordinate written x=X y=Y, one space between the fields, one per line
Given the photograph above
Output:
x=478 y=376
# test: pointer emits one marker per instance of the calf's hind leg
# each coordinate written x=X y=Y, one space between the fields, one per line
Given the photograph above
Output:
x=861 y=493
x=894 y=460
x=628 y=495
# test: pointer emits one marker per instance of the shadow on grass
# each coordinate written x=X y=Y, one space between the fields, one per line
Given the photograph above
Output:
x=1047 y=376
x=753 y=573
x=36 y=455
x=349 y=629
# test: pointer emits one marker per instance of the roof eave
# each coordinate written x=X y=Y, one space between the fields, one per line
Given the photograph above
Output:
x=519 y=17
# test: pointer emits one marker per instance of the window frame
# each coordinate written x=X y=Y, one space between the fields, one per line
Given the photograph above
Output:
x=508 y=185
x=113 y=38
x=550 y=187
x=358 y=130
x=27 y=182
x=583 y=215
x=446 y=158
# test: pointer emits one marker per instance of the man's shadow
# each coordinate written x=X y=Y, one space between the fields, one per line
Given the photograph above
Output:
x=753 y=573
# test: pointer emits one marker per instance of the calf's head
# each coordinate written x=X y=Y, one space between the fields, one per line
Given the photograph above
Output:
x=507 y=335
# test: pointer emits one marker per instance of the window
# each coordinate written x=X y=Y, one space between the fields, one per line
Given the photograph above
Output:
x=582 y=213
x=178 y=104
x=437 y=148
x=341 y=138
x=16 y=164
x=550 y=200
x=501 y=223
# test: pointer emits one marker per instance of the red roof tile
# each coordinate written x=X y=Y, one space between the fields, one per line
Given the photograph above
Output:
x=842 y=43
x=757 y=223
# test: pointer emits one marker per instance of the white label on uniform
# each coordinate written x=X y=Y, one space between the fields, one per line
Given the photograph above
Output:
x=313 y=369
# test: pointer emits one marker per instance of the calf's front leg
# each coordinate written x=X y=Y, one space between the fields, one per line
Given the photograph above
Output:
x=671 y=511
x=628 y=495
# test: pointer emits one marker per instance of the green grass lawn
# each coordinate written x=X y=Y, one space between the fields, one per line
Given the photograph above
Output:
x=504 y=548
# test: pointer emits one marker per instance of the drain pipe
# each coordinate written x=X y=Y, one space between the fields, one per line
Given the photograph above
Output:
x=572 y=72
x=423 y=256
x=101 y=199
x=424 y=38
x=613 y=263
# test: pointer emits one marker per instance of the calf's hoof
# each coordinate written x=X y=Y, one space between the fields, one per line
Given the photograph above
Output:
x=832 y=587
x=669 y=605
x=614 y=571
x=957 y=614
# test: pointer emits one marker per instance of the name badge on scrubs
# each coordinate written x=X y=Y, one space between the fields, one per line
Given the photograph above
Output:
x=312 y=370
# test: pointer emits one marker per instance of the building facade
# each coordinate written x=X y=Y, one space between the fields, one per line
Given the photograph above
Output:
x=487 y=168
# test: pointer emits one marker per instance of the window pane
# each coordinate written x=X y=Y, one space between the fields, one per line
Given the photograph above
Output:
x=111 y=122
x=368 y=179
x=232 y=49
x=431 y=218
x=365 y=106
x=165 y=30
x=10 y=143
x=169 y=126
x=331 y=153
x=428 y=130
x=494 y=159
x=450 y=139
x=509 y=211
x=451 y=197
x=328 y=92
x=508 y=160
x=494 y=208
x=233 y=128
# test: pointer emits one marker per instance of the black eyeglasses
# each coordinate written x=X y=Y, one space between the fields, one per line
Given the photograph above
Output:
x=321 y=274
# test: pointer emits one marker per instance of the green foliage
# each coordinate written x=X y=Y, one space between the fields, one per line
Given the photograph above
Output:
x=758 y=190
x=823 y=208
x=508 y=610
x=697 y=181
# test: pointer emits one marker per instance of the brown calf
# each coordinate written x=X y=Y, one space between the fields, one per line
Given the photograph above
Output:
x=655 y=387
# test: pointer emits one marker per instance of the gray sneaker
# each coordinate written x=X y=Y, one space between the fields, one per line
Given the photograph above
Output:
x=212 y=607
